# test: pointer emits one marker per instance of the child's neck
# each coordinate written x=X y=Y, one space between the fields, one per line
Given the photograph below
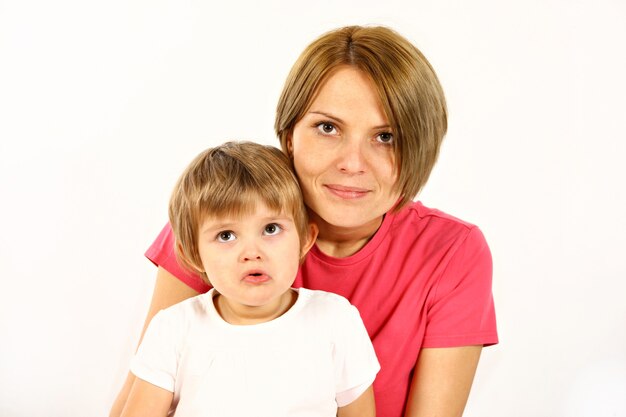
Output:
x=239 y=314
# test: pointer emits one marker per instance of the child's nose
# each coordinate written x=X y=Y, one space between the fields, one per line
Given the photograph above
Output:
x=251 y=252
x=251 y=257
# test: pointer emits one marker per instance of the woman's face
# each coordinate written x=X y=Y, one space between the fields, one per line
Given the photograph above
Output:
x=343 y=154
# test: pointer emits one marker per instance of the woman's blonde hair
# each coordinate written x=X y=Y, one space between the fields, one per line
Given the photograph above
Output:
x=229 y=181
x=407 y=85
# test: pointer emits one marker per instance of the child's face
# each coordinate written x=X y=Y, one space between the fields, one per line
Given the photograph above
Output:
x=253 y=260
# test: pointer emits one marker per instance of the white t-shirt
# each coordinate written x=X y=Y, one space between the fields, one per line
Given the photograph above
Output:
x=313 y=358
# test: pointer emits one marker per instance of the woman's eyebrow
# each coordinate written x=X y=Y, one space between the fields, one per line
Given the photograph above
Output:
x=330 y=116
x=338 y=120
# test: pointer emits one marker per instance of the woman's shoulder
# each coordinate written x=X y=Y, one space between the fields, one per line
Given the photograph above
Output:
x=416 y=211
x=419 y=226
x=418 y=217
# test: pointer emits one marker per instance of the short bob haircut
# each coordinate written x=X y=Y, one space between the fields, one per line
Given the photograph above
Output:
x=228 y=181
x=407 y=85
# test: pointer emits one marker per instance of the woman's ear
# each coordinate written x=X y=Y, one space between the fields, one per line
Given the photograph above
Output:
x=308 y=244
x=290 y=145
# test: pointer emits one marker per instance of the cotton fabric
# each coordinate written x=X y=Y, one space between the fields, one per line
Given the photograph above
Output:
x=305 y=363
x=422 y=281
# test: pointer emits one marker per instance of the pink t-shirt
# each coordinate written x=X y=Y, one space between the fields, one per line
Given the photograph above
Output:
x=423 y=280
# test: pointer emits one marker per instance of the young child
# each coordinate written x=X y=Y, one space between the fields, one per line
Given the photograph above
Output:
x=252 y=345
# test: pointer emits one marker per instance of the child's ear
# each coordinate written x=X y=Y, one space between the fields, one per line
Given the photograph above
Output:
x=312 y=236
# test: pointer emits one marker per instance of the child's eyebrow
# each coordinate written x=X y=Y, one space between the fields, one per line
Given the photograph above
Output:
x=218 y=226
x=284 y=218
x=278 y=217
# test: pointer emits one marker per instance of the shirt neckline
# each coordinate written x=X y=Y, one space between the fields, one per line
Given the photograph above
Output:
x=302 y=293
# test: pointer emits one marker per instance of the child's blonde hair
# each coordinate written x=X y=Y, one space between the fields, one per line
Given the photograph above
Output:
x=229 y=180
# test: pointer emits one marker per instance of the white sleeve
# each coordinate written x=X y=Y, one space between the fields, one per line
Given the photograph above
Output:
x=355 y=361
x=156 y=360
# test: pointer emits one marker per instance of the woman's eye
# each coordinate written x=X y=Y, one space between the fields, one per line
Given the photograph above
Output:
x=225 y=236
x=385 y=137
x=326 y=128
x=272 y=229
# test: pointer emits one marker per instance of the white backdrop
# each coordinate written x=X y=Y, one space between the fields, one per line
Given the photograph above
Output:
x=102 y=104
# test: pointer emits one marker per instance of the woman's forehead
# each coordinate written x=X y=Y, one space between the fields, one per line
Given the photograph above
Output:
x=349 y=95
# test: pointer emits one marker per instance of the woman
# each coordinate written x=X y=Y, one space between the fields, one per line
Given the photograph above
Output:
x=362 y=116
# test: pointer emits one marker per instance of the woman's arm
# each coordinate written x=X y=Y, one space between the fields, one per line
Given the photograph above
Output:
x=147 y=400
x=442 y=381
x=363 y=406
x=168 y=290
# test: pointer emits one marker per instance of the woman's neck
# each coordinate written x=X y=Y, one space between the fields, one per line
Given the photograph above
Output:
x=341 y=242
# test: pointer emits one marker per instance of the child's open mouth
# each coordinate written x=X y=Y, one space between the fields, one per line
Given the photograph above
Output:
x=256 y=278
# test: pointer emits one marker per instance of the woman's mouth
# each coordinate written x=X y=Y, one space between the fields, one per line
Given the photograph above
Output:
x=345 y=192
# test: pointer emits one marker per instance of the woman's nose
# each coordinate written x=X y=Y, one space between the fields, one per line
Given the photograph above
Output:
x=350 y=159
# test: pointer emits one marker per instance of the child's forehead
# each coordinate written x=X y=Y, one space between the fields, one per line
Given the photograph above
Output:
x=258 y=210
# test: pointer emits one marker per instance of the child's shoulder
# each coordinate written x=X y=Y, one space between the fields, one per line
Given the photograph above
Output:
x=190 y=307
x=322 y=297
x=330 y=315
x=324 y=303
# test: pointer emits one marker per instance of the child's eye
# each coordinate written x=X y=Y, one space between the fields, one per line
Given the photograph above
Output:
x=225 y=236
x=272 y=229
x=327 y=128
x=385 y=138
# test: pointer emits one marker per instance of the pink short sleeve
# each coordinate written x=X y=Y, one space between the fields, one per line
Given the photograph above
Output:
x=162 y=254
x=461 y=312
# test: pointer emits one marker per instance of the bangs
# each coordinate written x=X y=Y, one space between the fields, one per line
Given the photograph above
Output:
x=238 y=205
x=241 y=197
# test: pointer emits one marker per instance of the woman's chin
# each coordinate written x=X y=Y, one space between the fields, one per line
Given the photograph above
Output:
x=354 y=219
